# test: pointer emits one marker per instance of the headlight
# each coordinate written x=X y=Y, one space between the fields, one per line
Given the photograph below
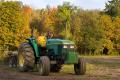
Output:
x=71 y=46
x=64 y=46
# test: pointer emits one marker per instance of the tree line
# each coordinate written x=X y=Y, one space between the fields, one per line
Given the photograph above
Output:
x=91 y=30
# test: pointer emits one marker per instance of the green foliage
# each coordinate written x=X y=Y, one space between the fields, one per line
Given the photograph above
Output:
x=64 y=15
x=113 y=8
x=91 y=32
x=76 y=25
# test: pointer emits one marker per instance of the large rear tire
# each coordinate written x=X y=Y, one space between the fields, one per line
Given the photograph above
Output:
x=80 y=68
x=26 y=58
x=44 y=66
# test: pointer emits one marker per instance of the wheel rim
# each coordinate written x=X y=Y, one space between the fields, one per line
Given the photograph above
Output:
x=21 y=60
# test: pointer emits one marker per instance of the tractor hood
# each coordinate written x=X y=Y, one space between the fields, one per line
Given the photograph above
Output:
x=59 y=41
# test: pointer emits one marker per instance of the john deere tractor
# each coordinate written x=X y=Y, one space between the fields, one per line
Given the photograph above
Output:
x=48 y=55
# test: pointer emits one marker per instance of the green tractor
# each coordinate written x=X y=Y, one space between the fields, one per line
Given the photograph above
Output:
x=49 y=58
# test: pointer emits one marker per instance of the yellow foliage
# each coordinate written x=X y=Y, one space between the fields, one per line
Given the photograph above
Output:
x=116 y=25
x=106 y=24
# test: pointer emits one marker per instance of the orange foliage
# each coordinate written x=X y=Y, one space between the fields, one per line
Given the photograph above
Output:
x=27 y=9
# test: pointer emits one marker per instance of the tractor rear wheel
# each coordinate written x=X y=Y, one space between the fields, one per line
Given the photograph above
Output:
x=44 y=66
x=80 y=68
x=26 y=58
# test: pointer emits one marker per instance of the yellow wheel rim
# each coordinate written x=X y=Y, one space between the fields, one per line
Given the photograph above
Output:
x=21 y=60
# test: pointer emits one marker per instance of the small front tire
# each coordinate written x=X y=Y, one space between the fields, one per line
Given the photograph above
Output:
x=44 y=66
x=80 y=68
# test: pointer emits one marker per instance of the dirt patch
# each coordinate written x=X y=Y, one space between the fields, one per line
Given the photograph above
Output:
x=97 y=69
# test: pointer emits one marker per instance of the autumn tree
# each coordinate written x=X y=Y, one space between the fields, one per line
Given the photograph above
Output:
x=27 y=12
x=106 y=24
x=14 y=23
x=116 y=31
x=49 y=20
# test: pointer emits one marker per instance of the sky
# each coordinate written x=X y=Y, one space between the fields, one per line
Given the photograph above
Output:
x=85 y=4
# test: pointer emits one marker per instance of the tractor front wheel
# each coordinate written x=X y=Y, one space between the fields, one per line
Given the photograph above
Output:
x=80 y=68
x=44 y=66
